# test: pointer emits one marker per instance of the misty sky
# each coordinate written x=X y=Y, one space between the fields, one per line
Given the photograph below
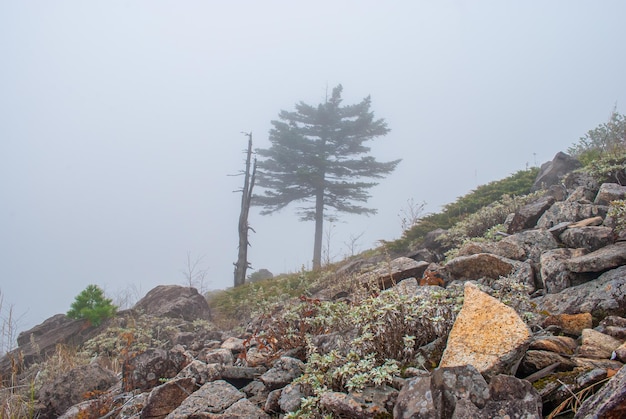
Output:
x=121 y=121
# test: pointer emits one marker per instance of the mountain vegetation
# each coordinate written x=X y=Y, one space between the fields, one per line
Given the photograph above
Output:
x=360 y=328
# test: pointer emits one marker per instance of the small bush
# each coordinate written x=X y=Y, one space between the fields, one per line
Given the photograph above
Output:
x=609 y=168
x=606 y=138
x=92 y=305
x=374 y=338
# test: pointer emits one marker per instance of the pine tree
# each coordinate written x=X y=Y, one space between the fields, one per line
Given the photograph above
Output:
x=91 y=304
x=318 y=157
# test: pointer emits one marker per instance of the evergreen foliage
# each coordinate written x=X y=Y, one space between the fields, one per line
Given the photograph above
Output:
x=318 y=158
x=92 y=305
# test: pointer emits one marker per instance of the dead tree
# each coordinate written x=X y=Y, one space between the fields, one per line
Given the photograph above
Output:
x=242 y=263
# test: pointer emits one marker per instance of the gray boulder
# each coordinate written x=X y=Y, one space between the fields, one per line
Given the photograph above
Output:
x=244 y=409
x=583 y=194
x=603 y=259
x=462 y=392
x=529 y=244
x=553 y=273
x=610 y=192
x=570 y=212
x=147 y=369
x=513 y=398
x=174 y=301
x=590 y=238
x=163 y=399
x=290 y=397
x=603 y=296
x=284 y=371
x=213 y=397
x=551 y=172
x=528 y=215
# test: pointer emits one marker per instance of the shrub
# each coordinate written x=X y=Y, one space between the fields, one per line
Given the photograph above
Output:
x=92 y=305
x=374 y=339
x=607 y=138
x=608 y=168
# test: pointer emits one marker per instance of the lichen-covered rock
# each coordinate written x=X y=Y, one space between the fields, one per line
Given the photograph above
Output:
x=165 y=398
x=570 y=324
x=290 y=397
x=610 y=192
x=217 y=356
x=570 y=212
x=70 y=388
x=590 y=238
x=243 y=409
x=553 y=273
x=41 y=341
x=435 y=395
x=513 y=398
x=147 y=369
x=284 y=371
x=201 y=372
x=486 y=334
x=529 y=244
x=608 y=257
x=528 y=215
x=213 y=397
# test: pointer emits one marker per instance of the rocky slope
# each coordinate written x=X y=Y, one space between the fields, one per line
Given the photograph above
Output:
x=527 y=325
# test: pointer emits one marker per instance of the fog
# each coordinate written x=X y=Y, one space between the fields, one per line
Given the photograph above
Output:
x=121 y=123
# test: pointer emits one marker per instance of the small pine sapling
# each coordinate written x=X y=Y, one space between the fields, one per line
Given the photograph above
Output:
x=92 y=305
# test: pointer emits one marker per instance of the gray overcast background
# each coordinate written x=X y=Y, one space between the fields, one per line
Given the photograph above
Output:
x=120 y=122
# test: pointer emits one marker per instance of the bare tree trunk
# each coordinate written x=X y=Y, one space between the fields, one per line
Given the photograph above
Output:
x=242 y=263
x=319 y=229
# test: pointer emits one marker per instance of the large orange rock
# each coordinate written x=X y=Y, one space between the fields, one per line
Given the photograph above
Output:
x=487 y=334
